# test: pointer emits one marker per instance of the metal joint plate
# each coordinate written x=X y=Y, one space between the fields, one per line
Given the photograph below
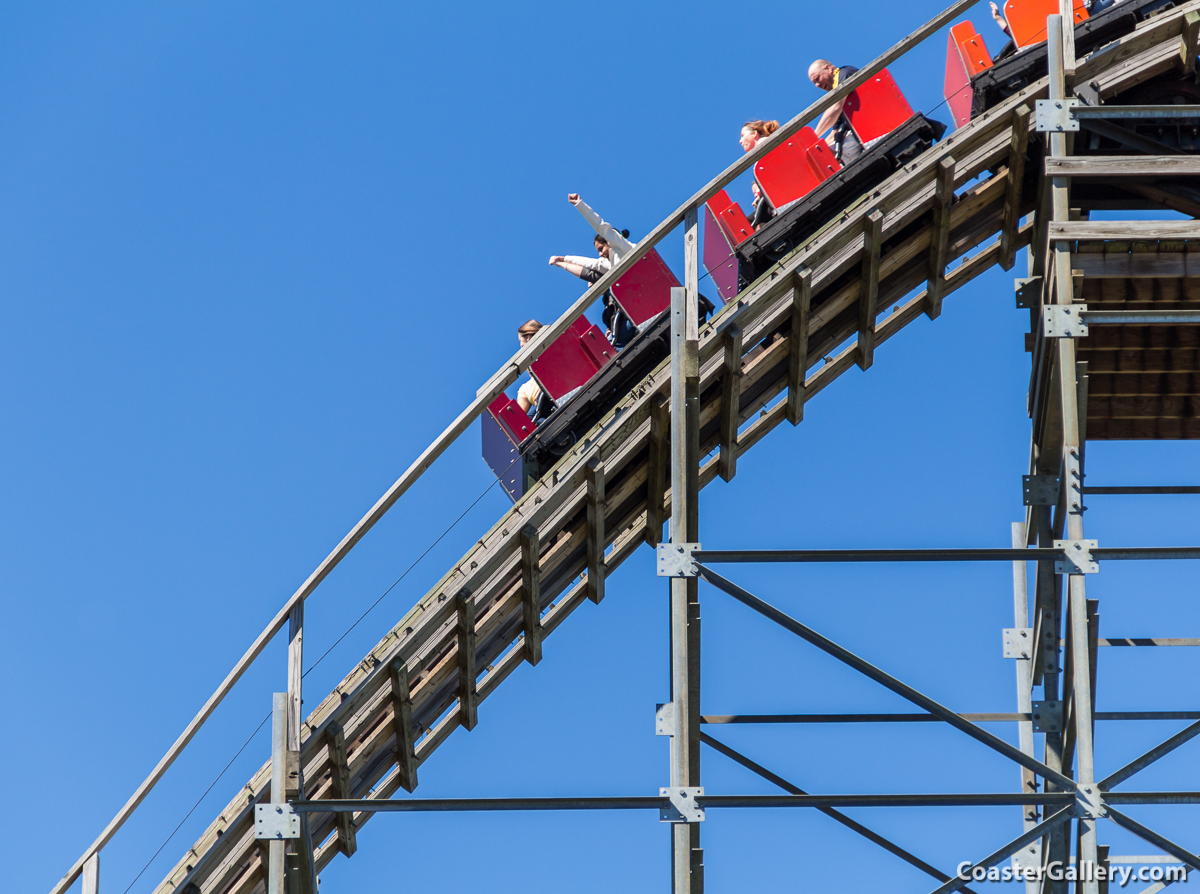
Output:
x=1039 y=490
x=1078 y=557
x=276 y=821
x=1028 y=857
x=1064 y=320
x=1029 y=291
x=1055 y=115
x=1088 y=802
x=683 y=807
x=664 y=719
x=1047 y=717
x=1018 y=642
x=675 y=560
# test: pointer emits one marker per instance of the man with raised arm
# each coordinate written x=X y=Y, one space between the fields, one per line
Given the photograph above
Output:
x=825 y=76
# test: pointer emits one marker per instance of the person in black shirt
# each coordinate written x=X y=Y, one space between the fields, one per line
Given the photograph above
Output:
x=826 y=77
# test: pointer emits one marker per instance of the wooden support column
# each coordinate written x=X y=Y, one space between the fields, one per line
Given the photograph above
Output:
x=468 y=697
x=798 y=355
x=275 y=848
x=656 y=471
x=731 y=400
x=1017 y=147
x=406 y=743
x=91 y=875
x=939 y=237
x=339 y=783
x=531 y=592
x=1188 y=40
x=869 y=295
x=595 y=530
x=300 y=864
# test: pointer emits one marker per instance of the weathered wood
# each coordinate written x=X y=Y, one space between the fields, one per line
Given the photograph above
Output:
x=340 y=780
x=468 y=698
x=798 y=352
x=1018 y=147
x=1108 y=166
x=656 y=474
x=406 y=752
x=1187 y=41
x=1139 y=265
x=731 y=396
x=939 y=239
x=595 y=533
x=869 y=290
x=531 y=588
x=1074 y=231
x=91 y=875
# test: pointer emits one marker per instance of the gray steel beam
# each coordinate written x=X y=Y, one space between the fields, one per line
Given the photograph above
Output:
x=1154 y=838
x=931 y=718
x=1149 y=757
x=1042 y=828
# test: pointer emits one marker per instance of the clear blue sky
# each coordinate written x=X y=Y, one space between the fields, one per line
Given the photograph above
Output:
x=253 y=257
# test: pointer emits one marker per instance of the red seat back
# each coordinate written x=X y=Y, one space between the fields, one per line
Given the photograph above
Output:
x=719 y=259
x=571 y=359
x=513 y=421
x=645 y=291
x=876 y=108
x=733 y=222
x=966 y=56
x=1027 y=19
x=796 y=167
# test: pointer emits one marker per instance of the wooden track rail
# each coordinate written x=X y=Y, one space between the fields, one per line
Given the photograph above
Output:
x=853 y=285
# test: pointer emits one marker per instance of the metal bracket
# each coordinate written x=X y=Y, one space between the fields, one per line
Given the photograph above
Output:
x=683 y=807
x=1055 y=115
x=1064 y=321
x=1088 y=802
x=1018 y=642
x=276 y=821
x=664 y=719
x=1039 y=490
x=675 y=560
x=1028 y=857
x=1078 y=557
x=1047 y=717
x=1029 y=291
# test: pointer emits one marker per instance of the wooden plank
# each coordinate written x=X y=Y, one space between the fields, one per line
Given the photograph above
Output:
x=1144 y=265
x=1133 y=362
x=531 y=588
x=1139 y=384
x=467 y=696
x=406 y=752
x=1107 y=166
x=869 y=289
x=939 y=240
x=1187 y=41
x=91 y=875
x=595 y=533
x=347 y=841
x=1166 y=196
x=1074 y=231
x=731 y=398
x=1018 y=147
x=798 y=351
x=1142 y=429
x=656 y=477
x=1148 y=36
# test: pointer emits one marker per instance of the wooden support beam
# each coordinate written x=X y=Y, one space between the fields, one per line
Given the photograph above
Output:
x=531 y=592
x=939 y=242
x=91 y=875
x=468 y=698
x=339 y=783
x=1123 y=166
x=798 y=355
x=406 y=745
x=656 y=471
x=595 y=530
x=1123 y=230
x=1017 y=148
x=731 y=399
x=1187 y=41
x=869 y=294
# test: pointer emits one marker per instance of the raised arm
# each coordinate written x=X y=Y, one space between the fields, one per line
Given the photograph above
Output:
x=617 y=243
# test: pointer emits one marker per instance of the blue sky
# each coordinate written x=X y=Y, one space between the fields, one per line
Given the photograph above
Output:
x=255 y=256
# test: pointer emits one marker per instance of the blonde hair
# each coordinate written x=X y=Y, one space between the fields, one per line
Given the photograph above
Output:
x=762 y=128
x=529 y=329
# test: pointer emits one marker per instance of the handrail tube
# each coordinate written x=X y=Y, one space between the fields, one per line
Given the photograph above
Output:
x=500 y=380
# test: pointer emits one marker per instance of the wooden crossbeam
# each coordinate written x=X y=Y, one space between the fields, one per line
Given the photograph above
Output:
x=798 y=355
x=1017 y=148
x=939 y=238
x=1123 y=166
x=595 y=530
x=406 y=746
x=731 y=400
x=656 y=471
x=531 y=592
x=468 y=698
x=869 y=296
x=1188 y=40
x=1123 y=230
x=340 y=784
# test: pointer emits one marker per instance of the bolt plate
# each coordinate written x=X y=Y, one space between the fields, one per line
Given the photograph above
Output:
x=1047 y=717
x=1055 y=115
x=276 y=821
x=1039 y=490
x=675 y=560
x=683 y=807
x=1078 y=557
x=1018 y=642
x=1064 y=320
